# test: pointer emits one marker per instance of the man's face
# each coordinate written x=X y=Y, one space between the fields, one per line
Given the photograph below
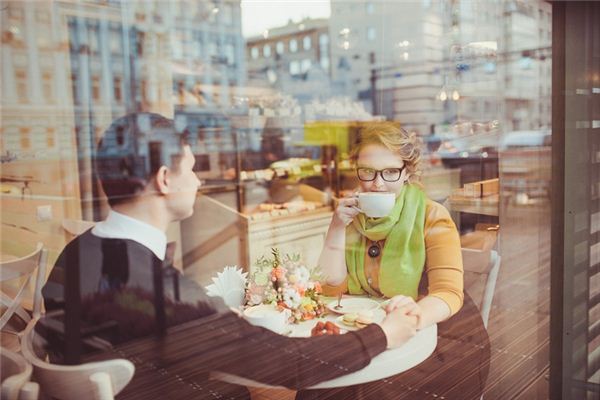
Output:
x=184 y=185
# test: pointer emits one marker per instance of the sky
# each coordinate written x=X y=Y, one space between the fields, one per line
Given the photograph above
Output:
x=258 y=15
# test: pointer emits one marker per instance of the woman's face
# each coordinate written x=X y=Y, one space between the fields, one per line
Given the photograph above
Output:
x=378 y=157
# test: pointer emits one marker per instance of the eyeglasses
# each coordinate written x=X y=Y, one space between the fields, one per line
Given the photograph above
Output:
x=387 y=174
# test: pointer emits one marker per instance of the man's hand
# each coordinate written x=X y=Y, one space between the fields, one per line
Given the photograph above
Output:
x=398 y=327
x=407 y=304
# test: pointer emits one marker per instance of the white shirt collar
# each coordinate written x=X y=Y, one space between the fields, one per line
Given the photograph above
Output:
x=120 y=226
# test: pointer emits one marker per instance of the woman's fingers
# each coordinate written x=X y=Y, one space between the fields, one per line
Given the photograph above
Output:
x=399 y=301
x=347 y=210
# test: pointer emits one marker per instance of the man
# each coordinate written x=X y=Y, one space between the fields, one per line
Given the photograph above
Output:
x=108 y=284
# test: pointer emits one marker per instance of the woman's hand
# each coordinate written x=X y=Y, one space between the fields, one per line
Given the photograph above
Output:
x=347 y=209
x=407 y=305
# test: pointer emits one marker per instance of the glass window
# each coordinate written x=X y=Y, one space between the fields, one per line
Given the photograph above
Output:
x=371 y=34
x=116 y=44
x=293 y=45
x=272 y=112
x=48 y=87
x=305 y=65
x=118 y=90
x=306 y=43
x=230 y=53
x=21 y=83
x=227 y=13
x=280 y=48
x=294 y=67
x=323 y=40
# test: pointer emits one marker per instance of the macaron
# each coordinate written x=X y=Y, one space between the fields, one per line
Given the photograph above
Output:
x=364 y=318
x=349 y=319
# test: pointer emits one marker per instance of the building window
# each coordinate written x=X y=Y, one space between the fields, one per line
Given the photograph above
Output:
x=95 y=88
x=230 y=54
x=254 y=53
x=306 y=43
x=293 y=45
x=371 y=33
x=227 y=14
x=15 y=12
x=93 y=38
x=323 y=40
x=305 y=66
x=75 y=89
x=139 y=43
x=25 y=138
x=21 y=76
x=50 y=137
x=115 y=41
x=324 y=63
x=279 y=47
x=47 y=87
x=118 y=89
x=294 y=67
x=267 y=50
x=369 y=8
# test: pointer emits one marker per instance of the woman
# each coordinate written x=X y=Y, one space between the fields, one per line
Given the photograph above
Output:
x=387 y=256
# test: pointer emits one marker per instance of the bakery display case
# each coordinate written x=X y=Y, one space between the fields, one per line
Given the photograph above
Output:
x=264 y=186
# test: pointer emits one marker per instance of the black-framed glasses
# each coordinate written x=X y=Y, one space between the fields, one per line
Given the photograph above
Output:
x=387 y=174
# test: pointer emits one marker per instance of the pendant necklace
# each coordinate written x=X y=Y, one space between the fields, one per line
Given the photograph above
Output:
x=374 y=249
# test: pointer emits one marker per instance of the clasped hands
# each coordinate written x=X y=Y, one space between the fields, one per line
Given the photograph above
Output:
x=402 y=320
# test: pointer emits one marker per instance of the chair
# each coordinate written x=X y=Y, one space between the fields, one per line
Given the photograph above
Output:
x=16 y=372
x=487 y=271
x=24 y=267
x=97 y=380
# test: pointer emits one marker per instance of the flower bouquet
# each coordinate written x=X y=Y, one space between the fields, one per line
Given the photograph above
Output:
x=286 y=283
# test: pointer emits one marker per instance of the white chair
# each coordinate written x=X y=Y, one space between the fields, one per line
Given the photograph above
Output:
x=98 y=380
x=486 y=271
x=26 y=268
x=15 y=373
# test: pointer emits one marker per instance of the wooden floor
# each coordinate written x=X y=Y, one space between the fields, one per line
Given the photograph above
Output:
x=519 y=321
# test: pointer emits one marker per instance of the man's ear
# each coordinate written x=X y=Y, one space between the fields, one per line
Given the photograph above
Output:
x=161 y=180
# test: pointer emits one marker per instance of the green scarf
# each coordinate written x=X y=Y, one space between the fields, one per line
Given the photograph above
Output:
x=403 y=256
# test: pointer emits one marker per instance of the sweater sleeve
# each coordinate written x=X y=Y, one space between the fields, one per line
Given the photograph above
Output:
x=443 y=263
x=227 y=343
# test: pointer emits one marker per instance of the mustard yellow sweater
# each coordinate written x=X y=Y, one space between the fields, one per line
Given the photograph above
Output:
x=443 y=263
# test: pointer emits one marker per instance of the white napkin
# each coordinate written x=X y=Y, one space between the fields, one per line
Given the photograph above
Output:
x=230 y=285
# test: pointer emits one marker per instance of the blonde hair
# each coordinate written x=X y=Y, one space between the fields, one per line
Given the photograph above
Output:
x=394 y=138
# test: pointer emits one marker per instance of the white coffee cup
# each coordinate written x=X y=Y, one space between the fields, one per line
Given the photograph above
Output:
x=376 y=204
x=267 y=316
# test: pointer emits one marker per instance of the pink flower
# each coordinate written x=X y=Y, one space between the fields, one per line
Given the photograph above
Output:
x=318 y=288
x=278 y=273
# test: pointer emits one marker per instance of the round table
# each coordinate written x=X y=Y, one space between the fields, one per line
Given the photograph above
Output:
x=386 y=364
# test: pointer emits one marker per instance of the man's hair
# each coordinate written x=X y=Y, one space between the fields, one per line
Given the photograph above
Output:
x=131 y=152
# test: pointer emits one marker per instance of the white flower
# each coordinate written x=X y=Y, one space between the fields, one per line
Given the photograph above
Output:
x=303 y=275
x=291 y=298
x=255 y=299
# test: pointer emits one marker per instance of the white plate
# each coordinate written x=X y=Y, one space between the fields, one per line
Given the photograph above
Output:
x=353 y=305
x=378 y=316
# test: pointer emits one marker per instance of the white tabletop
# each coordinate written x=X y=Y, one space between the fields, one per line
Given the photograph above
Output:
x=390 y=362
